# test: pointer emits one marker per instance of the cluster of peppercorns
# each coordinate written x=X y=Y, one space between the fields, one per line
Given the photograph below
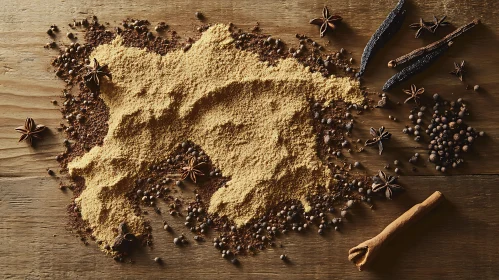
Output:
x=333 y=123
x=196 y=219
x=450 y=137
x=221 y=244
x=416 y=117
x=138 y=25
x=308 y=52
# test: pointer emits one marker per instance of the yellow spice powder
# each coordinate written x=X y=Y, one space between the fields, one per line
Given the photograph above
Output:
x=252 y=119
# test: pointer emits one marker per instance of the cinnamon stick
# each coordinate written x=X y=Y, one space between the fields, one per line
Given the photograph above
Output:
x=364 y=253
x=433 y=46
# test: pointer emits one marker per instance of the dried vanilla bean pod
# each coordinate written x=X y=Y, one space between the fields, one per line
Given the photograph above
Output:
x=416 y=67
x=387 y=29
x=433 y=46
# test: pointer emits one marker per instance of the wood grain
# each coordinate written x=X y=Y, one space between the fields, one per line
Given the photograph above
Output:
x=457 y=242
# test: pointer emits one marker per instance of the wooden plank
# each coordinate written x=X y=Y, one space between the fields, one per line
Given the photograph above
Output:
x=457 y=242
x=458 y=239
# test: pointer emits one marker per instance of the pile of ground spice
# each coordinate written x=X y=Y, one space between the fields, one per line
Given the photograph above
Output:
x=252 y=119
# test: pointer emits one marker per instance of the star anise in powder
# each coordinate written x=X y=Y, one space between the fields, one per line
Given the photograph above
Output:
x=458 y=70
x=95 y=73
x=30 y=131
x=191 y=171
x=386 y=183
x=326 y=21
x=378 y=137
x=125 y=241
x=414 y=93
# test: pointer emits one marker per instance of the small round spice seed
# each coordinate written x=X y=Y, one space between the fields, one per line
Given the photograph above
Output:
x=199 y=15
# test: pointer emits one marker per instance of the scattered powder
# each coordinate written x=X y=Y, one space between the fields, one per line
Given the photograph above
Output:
x=253 y=120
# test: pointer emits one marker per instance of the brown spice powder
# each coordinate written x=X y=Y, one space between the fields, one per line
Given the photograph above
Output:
x=252 y=119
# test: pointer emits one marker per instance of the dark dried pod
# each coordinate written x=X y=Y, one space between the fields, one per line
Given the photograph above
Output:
x=388 y=28
x=416 y=67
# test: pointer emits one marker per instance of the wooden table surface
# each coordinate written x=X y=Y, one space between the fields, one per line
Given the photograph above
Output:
x=458 y=241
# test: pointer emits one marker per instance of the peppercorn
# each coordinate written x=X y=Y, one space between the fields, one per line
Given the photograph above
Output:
x=343 y=213
x=350 y=203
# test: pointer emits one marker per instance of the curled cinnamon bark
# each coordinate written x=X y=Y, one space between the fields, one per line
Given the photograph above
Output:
x=364 y=253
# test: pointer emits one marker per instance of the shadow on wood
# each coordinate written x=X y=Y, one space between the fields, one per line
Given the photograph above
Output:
x=407 y=242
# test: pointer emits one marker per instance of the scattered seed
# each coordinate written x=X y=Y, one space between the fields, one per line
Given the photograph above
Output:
x=343 y=213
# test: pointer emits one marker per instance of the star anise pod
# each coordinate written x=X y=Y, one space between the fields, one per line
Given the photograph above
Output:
x=414 y=93
x=386 y=183
x=95 y=73
x=421 y=26
x=30 y=130
x=459 y=70
x=191 y=171
x=125 y=241
x=326 y=21
x=436 y=23
x=378 y=137
x=428 y=26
